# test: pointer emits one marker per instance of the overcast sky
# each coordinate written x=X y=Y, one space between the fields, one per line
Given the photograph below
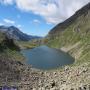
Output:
x=37 y=17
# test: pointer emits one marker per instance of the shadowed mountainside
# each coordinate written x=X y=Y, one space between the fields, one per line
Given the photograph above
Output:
x=15 y=33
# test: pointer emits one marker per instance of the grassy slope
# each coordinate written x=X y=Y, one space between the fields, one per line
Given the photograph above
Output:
x=11 y=52
x=26 y=44
x=79 y=31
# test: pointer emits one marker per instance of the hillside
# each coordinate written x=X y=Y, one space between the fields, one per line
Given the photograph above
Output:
x=23 y=40
x=13 y=70
x=9 y=47
x=73 y=35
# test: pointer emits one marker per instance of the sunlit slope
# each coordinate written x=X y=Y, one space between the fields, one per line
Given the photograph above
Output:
x=8 y=47
x=73 y=35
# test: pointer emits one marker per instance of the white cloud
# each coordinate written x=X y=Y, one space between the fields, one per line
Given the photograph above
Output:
x=53 y=11
x=8 y=21
x=36 y=21
x=19 y=26
x=6 y=2
x=45 y=9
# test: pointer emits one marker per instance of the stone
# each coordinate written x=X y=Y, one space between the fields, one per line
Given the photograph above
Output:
x=53 y=88
x=53 y=84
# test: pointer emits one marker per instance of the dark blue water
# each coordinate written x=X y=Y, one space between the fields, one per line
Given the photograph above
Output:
x=44 y=57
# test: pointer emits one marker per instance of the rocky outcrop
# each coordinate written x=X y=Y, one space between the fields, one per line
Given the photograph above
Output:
x=68 y=78
x=16 y=73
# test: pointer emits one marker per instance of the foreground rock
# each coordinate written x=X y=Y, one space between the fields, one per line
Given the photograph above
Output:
x=68 y=78
x=14 y=73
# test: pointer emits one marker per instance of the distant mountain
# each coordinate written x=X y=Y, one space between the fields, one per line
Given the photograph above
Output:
x=15 y=33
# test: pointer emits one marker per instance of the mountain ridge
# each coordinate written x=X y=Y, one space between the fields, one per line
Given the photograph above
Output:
x=83 y=11
x=15 y=33
x=74 y=30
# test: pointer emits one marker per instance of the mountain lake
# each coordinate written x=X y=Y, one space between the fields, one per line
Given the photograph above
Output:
x=46 y=58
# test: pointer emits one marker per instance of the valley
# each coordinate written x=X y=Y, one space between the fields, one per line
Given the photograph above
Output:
x=71 y=36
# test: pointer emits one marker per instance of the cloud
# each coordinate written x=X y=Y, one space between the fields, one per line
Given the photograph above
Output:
x=6 y=2
x=19 y=26
x=8 y=21
x=36 y=21
x=45 y=9
x=53 y=11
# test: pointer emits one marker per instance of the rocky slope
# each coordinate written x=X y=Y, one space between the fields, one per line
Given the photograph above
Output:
x=16 y=73
x=13 y=71
x=68 y=78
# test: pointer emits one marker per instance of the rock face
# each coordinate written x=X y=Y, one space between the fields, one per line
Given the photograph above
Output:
x=69 y=78
x=9 y=70
x=16 y=73
x=15 y=33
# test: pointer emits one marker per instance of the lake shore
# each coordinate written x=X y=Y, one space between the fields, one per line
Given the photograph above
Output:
x=46 y=58
x=27 y=78
x=66 y=78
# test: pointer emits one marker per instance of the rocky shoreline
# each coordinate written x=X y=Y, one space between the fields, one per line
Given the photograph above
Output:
x=68 y=78
x=15 y=73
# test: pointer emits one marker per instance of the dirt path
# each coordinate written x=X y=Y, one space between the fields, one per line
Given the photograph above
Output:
x=67 y=49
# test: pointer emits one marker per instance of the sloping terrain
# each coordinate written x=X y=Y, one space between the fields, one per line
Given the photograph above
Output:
x=73 y=37
x=13 y=71
x=74 y=30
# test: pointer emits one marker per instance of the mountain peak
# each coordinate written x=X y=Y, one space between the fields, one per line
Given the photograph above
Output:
x=15 y=33
x=83 y=9
x=13 y=27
